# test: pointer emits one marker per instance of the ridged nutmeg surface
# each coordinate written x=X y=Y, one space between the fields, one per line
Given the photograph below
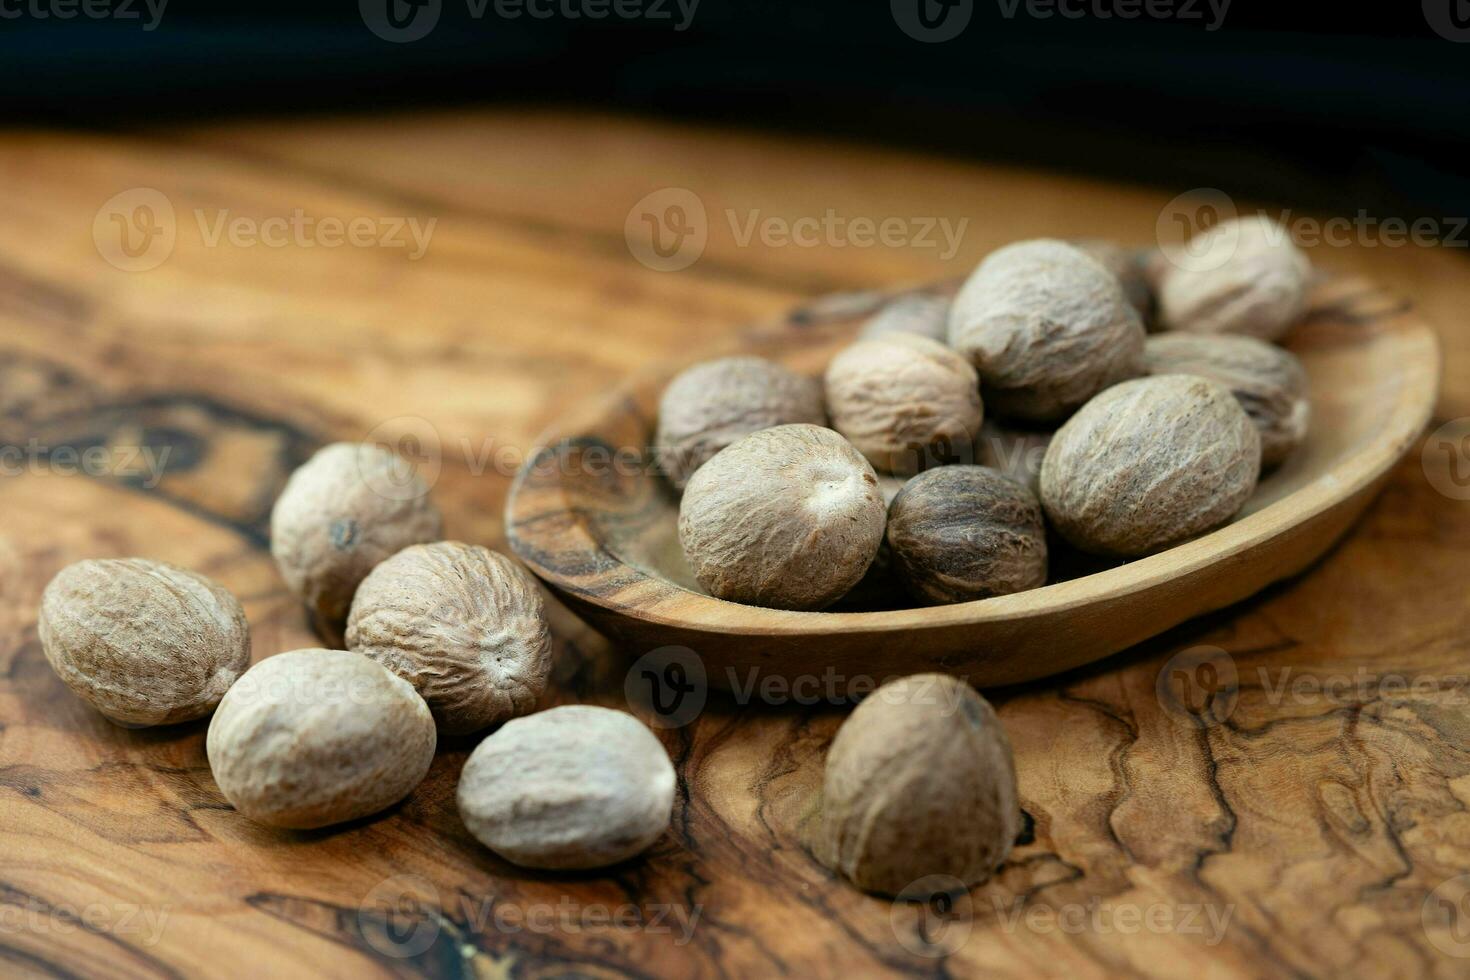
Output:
x=788 y=517
x=1242 y=276
x=464 y=625
x=316 y=737
x=1268 y=381
x=1148 y=464
x=1129 y=266
x=572 y=787
x=144 y=642
x=1047 y=327
x=966 y=532
x=342 y=511
x=905 y=401
x=919 y=782
x=711 y=405
x=927 y=316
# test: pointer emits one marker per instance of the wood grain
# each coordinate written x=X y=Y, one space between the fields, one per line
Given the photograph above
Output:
x=1319 y=801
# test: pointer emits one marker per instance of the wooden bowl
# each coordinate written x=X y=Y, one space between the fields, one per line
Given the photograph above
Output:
x=589 y=518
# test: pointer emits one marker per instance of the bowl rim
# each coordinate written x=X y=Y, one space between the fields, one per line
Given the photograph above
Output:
x=697 y=611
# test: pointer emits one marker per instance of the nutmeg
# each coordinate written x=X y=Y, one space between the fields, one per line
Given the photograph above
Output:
x=1129 y=266
x=1014 y=450
x=788 y=517
x=966 y=532
x=344 y=510
x=710 y=405
x=1148 y=464
x=905 y=401
x=919 y=782
x=1268 y=381
x=1047 y=327
x=916 y=313
x=1242 y=276
x=462 y=624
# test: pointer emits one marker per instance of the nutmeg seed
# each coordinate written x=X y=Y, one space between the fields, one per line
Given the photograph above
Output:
x=918 y=313
x=1243 y=276
x=919 y=782
x=462 y=624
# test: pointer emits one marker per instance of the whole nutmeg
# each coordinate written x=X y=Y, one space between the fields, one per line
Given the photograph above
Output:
x=462 y=624
x=1268 y=381
x=344 y=510
x=1014 y=450
x=143 y=642
x=966 y=532
x=710 y=405
x=572 y=787
x=1148 y=464
x=316 y=737
x=918 y=313
x=1241 y=276
x=1047 y=327
x=788 y=517
x=906 y=402
x=919 y=782
x=1129 y=266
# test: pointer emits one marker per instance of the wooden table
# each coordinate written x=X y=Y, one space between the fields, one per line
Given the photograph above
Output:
x=1306 y=834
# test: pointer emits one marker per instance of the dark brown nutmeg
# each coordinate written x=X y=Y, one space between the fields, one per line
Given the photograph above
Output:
x=966 y=532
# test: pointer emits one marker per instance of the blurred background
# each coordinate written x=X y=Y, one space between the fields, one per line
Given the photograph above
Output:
x=1329 y=106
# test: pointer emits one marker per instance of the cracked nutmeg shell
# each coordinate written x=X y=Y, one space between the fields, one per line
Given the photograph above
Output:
x=572 y=787
x=1047 y=327
x=342 y=511
x=1244 y=276
x=905 y=401
x=144 y=642
x=966 y=532
x=1149 y=464
x=311 y=738
x=711 y=405
x=788 y=517
x=464 y=625
x=919 y=782
x=1267 y=380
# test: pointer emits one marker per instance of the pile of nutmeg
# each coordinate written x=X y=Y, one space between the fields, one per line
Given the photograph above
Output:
x=807 y=494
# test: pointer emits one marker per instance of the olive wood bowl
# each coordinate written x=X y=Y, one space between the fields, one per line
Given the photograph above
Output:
x=598 y=526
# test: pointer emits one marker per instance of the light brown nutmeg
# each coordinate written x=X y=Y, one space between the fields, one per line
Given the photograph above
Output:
x=1242 y=276
x=711 y=405
x=1014 y=450
x=906 y=402
x=316 y=737
x=1047 y=327
x=462 y=624
x=344 y=510
x=144 y=642
x=1149 y=464
x=572 y=787
x=919 y=782
x=966 y=532
x=1268 y=381
x=788 y=517
x=918 y=313
x=1129 y=265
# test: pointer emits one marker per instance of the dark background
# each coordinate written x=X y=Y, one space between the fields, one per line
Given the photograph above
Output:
x=1327 y=107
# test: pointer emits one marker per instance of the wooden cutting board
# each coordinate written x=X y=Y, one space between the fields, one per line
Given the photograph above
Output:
x=1317 y=825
